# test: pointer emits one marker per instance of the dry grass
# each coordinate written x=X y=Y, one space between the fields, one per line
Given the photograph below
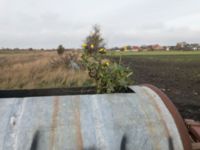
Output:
x=32 y=70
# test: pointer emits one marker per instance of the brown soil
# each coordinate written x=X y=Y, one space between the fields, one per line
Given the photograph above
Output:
x=179 y=80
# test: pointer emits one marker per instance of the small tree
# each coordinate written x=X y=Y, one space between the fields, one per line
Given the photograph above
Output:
x=94 y=41
x=60 y=50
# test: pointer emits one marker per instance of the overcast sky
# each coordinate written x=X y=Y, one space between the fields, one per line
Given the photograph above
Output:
x=47 y=23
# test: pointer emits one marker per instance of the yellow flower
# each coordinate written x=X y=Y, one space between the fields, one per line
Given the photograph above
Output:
x=84 y=45
x=102 y=51
x=92 y=46
x=105 y=62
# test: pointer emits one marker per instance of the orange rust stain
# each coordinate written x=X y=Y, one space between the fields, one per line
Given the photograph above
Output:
x=78 y=125
x=54 y=122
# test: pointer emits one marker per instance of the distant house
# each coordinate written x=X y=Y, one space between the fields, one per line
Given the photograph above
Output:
x=172 y=48
x=156 y=47
x=187 y=47
x=181 y=46
x=166 y=48
x=135 y=48
x=144 y=48
x=195 y=46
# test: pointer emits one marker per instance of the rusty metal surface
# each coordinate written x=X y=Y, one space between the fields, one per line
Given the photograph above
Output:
x=194 y=129
x=137 y=120
x=195 y=146
x=176 y=116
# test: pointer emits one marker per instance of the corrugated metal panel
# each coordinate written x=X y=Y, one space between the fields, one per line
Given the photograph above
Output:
x=137 y=120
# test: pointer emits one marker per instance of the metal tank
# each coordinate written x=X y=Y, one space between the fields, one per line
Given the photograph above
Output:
x=142 y=120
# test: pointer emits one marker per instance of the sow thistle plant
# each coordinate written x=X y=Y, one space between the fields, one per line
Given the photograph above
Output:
x=109 y=76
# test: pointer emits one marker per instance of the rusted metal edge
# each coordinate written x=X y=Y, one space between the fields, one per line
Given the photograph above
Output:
x=190 y=122
x=196 y=146
x=195 y=132
x=194 y=129
x=175 y=114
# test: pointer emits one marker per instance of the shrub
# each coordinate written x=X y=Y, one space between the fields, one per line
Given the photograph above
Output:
x=71 y=60
x=60 y=50
x=109 y=76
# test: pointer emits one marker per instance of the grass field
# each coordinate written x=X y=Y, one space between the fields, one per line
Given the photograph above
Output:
x=29 y=70
x=33 y=69
x=129 y=53
x=167 y=56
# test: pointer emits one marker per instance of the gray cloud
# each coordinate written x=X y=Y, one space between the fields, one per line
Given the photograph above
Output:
x=47 y=23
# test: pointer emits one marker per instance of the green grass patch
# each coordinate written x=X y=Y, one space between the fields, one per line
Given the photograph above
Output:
x=167 y=56
x=129 y=53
